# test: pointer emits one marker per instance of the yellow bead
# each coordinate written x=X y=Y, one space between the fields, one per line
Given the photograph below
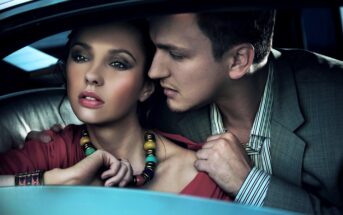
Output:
x=149 y=145
x=84 y=140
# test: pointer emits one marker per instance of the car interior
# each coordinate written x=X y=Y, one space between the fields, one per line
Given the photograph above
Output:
x=34 y=98
x=33 y=35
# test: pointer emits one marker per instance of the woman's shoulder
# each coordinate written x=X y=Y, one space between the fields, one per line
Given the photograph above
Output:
x=176 y=164
x=169 y=151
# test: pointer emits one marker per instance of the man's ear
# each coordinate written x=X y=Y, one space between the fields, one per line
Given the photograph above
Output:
x=240 y=58
x=147 y=90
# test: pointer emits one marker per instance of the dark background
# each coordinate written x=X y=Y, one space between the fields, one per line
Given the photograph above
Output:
x=312 y=25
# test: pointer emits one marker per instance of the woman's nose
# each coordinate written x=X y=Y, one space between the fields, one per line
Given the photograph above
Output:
x=94 y=76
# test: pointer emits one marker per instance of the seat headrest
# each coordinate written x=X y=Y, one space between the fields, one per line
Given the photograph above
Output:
x=36 y=109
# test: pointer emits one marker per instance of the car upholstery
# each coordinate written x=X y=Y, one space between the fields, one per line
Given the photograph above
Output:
x=36 y=109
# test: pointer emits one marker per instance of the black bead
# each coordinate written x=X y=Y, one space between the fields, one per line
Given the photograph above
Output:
x=149 y=136
x=149 y=172
x=150 y=152
x=146 y=176
x=152 y=164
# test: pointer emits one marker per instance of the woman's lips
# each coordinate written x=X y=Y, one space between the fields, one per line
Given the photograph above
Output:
x=90 y=100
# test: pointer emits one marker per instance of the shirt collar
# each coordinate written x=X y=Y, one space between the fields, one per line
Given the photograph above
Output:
x=261 y=126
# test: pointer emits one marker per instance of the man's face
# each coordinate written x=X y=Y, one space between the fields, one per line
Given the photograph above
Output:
x=184 y=63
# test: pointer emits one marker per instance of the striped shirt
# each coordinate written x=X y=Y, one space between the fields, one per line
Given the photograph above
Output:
x=254 y=188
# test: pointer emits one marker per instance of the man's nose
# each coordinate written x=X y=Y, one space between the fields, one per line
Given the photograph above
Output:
x=159 y=67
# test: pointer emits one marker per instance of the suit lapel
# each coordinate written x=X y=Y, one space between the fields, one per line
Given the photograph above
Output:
x=196 y=125
x=287 y=148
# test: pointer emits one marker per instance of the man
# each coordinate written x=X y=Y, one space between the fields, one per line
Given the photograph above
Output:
x=282 y=110
x=270 y=120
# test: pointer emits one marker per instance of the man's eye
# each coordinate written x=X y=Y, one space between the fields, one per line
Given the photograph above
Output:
x=79 y=58
x=176 y=55
x=119 y=65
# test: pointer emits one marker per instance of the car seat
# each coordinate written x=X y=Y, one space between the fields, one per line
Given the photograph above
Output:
x=36 y=109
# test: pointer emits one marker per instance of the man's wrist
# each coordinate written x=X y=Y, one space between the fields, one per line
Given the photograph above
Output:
x=254 y=189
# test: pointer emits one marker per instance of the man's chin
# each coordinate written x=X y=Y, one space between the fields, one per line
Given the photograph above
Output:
x=178 y=108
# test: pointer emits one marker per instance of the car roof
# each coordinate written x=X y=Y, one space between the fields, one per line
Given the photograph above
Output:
x=43 y=18
x=314 y=25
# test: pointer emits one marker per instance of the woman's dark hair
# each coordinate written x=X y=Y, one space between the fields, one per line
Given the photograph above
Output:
x=227 y=29
x=143 y=108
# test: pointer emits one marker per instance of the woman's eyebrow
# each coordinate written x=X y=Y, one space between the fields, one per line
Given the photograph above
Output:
x=84 y=45
x=119 y=51
x=112 y=51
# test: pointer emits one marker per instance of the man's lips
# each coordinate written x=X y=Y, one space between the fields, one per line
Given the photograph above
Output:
x=169 y=92
x=90 y=100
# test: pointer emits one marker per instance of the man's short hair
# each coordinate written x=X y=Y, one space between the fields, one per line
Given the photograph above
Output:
x=227 y=29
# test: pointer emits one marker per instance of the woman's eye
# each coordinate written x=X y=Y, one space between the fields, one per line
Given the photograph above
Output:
x=79 y=58
x=120 y=65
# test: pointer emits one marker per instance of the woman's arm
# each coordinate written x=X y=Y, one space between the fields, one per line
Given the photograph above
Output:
x=6 y=180
x=42 y=136
x=113 y=172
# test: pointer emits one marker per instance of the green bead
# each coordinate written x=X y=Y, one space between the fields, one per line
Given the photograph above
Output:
x=150 y=158
x=89 y=151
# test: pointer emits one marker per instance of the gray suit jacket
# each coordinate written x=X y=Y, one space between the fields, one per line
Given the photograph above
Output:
x=306 y=132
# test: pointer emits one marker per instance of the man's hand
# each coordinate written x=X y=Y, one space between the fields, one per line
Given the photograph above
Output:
x=43 y=136
x=100 y=168
x=225 y=160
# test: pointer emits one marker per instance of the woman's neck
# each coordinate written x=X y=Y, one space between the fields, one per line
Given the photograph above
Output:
x=122 y=140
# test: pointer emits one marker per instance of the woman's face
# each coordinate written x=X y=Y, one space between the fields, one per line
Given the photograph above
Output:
x=105 y=73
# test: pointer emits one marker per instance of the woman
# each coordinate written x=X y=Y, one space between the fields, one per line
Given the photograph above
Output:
x=106 y=71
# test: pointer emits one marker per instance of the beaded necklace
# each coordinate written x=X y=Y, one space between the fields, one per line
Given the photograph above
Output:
x=150 y=157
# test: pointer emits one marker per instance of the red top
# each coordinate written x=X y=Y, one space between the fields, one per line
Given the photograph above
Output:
x=65 y=151
x=203 y=186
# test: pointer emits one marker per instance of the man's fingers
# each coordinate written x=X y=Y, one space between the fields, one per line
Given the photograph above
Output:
x=227 y=135
x=212 y=140
x=18 y=145
x=203 y=154
x=39 y=135
x=44 y=136
x=201 y=165
x=223 y=138
x=213 y=137
x=57 y=128
x=209 y=144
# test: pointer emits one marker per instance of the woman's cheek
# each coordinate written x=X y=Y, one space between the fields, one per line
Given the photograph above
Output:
x=126 y=91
